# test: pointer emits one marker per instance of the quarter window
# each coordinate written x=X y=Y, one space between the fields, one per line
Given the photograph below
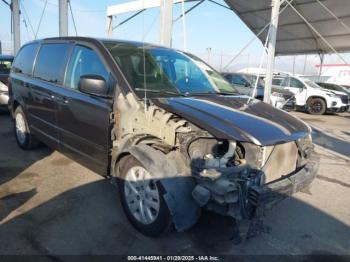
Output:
x=51 y=62
x=24 y=60
x=84 y=61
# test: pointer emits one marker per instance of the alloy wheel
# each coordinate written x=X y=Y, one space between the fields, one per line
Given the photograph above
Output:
x=21 y=129
x=142 y=195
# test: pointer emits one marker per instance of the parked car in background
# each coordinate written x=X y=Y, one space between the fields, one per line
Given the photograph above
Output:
x=5 y=66
x=245 y=83
x=312 y=97
x=345 y=98
x=347 y=87
x=164 y=126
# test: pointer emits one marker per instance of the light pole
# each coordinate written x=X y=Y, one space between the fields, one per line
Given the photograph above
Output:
x=209 y=53
x=16 y=26
x=63 y=17
x=166 y=22
x=271 y=49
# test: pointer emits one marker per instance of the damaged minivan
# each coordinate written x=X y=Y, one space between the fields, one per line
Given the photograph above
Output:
x=165 y=127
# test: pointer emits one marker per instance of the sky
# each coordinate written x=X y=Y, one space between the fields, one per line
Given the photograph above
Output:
x=213 y=33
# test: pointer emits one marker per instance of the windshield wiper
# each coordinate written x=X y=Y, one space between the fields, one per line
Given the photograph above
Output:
x=199 y=93
x=227 y=93
x=211 y=93
x=158 y=91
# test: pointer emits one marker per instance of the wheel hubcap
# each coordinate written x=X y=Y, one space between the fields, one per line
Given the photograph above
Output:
x=141 y=194
x=20 y=128
x=316 y=107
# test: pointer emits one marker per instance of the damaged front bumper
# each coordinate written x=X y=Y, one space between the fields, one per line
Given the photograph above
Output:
x=238 y=194
x=275 y=191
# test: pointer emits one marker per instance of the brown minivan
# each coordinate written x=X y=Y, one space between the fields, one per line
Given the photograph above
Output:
x=172 y=132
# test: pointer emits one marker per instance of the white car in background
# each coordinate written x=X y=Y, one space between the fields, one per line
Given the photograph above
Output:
x=5 y=66
x=4 y=95
x=312 y=97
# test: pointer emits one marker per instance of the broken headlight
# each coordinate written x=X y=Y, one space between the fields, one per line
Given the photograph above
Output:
x=212 y=153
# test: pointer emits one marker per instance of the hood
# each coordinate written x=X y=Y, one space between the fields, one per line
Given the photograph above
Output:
x=340 y=93
x=333 y=91
x=231 y=117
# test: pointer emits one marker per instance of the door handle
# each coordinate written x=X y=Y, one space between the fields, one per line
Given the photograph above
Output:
x=63 y=100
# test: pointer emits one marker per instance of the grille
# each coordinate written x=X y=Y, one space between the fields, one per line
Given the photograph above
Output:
x=281 y=160
x=344 y=99
x=254 y=196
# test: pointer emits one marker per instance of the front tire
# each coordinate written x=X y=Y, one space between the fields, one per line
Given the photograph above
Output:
x=142 y=198
x=316 y=106
x=23 y=136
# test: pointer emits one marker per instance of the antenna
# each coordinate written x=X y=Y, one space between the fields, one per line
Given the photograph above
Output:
x=144 y=59
x=184 y=32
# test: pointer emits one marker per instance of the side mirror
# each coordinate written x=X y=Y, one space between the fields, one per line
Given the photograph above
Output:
x=246 y=84
x=93 y=85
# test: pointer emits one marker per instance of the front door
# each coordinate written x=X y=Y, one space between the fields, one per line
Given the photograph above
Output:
x=83 y=119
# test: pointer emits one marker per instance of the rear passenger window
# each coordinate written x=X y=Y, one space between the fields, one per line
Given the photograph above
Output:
x=84 y=61
x=276 y=81
x=24 y=60
x=50 y=63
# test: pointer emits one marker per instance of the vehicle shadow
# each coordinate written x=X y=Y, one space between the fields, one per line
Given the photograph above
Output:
x=338 y=145
x=14 y=162
x=346 y=115
x=89 y=220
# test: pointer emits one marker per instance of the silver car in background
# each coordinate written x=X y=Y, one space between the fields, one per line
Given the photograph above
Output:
x=245 y=83
x=5 y=66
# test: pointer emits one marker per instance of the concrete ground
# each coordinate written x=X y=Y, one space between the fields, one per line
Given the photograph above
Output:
x=51 y=205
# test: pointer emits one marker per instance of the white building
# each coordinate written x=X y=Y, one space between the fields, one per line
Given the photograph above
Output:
x=336 y=73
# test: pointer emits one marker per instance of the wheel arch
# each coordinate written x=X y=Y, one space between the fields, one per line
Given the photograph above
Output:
x=178 y=188
x=317 y=96
x=16 y=103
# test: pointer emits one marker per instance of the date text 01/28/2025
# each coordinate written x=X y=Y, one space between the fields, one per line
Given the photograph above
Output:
x=173 y=258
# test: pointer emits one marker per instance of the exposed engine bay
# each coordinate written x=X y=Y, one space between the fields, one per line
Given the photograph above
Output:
x=226 y=176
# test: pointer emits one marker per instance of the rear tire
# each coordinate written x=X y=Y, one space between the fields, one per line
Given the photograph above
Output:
x=316 y=106
x=142 y=199
x=23 y=135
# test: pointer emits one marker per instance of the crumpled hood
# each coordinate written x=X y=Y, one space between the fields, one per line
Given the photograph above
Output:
x=230 y=117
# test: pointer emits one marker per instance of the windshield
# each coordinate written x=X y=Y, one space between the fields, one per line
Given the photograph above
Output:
x=312 y=84
x=5 y=66
x=165 y=72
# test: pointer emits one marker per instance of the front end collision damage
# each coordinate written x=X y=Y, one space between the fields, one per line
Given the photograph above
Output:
x=196 y=169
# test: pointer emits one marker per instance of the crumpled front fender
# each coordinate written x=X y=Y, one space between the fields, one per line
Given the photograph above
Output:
x=178 y=187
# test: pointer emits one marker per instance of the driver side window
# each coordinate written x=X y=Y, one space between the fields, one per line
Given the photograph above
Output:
x=84 y=61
